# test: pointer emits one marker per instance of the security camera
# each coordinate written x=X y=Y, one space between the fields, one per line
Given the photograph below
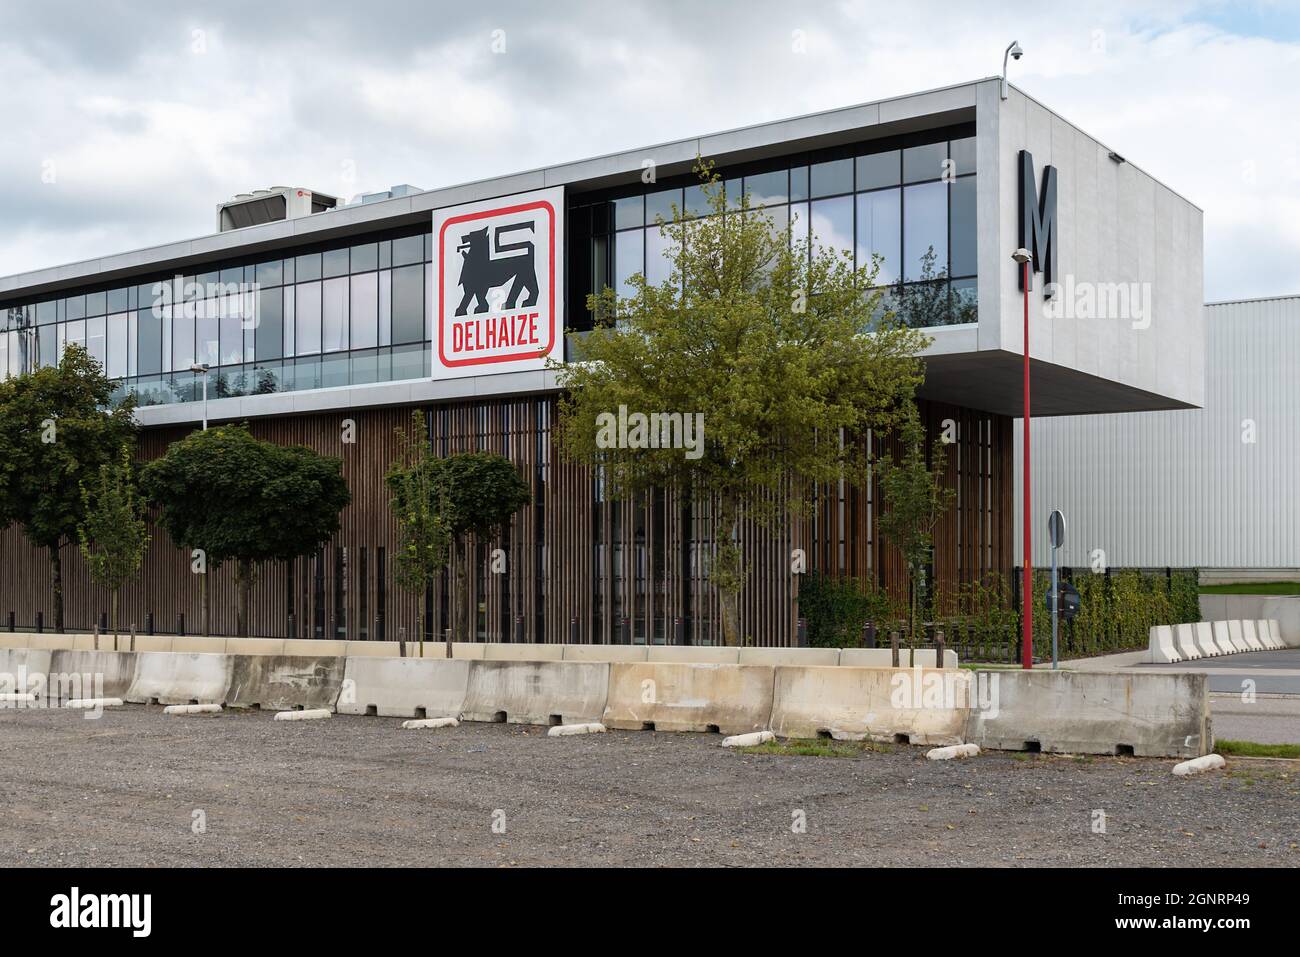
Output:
x=1013 y=50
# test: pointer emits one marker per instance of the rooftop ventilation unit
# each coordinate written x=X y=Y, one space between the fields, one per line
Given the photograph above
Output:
x=270 y=206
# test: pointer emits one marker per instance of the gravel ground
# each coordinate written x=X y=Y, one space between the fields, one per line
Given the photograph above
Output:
x=125 y=789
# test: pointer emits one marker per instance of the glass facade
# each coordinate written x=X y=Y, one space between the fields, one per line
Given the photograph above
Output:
x=336 y=315
x=359 y=312
x=909 y=201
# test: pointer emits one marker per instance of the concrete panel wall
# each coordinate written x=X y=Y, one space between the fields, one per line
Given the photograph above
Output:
x=730 y=699
x=284 y=682
x=1116 y=223
x=405 y=687
x=1208 y=488
x=918 y=706
x=536 y=692
x=1145 y=714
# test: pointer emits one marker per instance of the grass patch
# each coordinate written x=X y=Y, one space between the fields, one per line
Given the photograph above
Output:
x=1251 y=749
x=817 y=748
x=1253 y=588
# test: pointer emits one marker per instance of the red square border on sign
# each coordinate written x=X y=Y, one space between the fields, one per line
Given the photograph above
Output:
x=550 y=266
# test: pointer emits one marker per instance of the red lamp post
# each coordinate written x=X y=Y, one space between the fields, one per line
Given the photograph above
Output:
x=1022 y=256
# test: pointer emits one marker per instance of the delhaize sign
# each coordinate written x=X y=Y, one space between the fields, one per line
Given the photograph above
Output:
x=498 y=275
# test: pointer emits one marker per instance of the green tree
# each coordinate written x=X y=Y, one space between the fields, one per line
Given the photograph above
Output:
x=914 y=499
x=114 y=535
x=245 y=500
x=441 y=502
x=424 y=539
x=56 y=430
x=778 y=350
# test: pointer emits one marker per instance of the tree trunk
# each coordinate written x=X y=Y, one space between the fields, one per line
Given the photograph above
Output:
x=56 y=568
x=727 y=570
x=244 y=572
x=460 y=629
x=115 y=596
x=203 y=602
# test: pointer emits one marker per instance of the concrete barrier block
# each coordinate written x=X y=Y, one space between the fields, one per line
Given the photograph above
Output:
x=370 y=649
x=404 y=687
x=795 y=657
x=51 y=642
x=255 y=646
x=497 y=651
x=148 y=643
x=16 y=640
x=1147 y=714
x=1185 y=642
x=25 y=671
x=702 y=654
x=198 y=644
x=1205 y=639
x=1251 y=638
x=605 y=652
x=1264 y=632
x=312 y=647
x=883 y=658
x=1279 y=632
x=1286 y=612
x=469 y=650
x=689 y=696
x=179 y=677
x=91 y=674
x=536 y=692
x=1235 y=635
x=1161 y=645
x=909 y=705
x=284 y=682
x=1222 y=640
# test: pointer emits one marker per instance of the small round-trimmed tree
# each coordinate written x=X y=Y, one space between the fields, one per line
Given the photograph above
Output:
x=242 y=499
x=440 y=503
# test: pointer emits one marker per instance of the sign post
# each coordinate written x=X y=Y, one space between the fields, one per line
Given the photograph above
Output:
x=1055 y=535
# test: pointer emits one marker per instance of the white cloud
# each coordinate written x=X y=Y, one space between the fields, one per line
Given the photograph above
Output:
x=147 y=134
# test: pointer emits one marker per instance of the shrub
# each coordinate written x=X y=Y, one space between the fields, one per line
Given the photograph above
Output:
x=837 y=608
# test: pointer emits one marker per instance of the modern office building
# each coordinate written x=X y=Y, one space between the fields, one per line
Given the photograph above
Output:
x=440 y=300
x=1211 y=488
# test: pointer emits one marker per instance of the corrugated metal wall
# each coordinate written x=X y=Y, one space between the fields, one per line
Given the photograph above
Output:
x=1217 y=487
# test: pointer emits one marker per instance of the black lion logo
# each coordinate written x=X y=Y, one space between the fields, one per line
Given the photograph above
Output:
x=480 y=273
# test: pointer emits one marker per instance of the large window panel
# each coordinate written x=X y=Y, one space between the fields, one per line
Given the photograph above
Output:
x=767 y=189
x=629 y=259
x=268 y=332
x=182 y=327
x=658 y=255
x=334 y=262
x=832 y=223
x=364 y=310
x=877 y=170
x=925 y=227
x=334 y=314
x=880 y=230
x=232 y=340
x=963 y=234
x=116 y=366
x=924 y=162
x=831 y=178
x=408 y=302
x=149 y=326
x=307 y=319
x=207 y=332
x=386 y=307
x=629 y=212
x=97 y=339
x=46 y=345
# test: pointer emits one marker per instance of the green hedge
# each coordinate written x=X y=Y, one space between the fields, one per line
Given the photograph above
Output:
x=979 y=618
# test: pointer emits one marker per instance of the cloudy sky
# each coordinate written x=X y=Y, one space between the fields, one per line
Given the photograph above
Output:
x=125 y=123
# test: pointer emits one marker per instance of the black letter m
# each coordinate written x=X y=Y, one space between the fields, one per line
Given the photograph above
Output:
x=1038 y=218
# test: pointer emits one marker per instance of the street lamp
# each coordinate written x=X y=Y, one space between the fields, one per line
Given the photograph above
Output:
x=1023 y=257
x=203 y=367
x=1015 y=52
